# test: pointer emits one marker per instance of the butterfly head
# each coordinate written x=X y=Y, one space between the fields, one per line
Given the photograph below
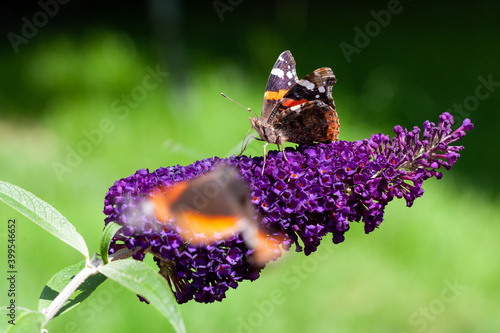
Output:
x=266 y=131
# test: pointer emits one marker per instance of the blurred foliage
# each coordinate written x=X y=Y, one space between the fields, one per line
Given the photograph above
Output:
x=72 y=75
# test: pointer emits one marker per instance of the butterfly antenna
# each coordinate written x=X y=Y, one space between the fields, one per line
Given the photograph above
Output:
x=248 y=109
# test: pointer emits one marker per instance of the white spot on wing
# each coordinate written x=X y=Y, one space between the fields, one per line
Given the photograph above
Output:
x=295 y=108
x=317 y=96
x=289 y=74
x=307 y=84
x=278 y=72
x=321 y=89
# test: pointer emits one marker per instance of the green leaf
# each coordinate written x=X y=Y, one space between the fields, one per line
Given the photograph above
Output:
x=143 y=280
x=61 y=280
x=42 y=214
x=26 y=321
x=107 y=236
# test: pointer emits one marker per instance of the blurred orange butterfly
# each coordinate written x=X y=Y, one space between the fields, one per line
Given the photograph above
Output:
x=213 y=207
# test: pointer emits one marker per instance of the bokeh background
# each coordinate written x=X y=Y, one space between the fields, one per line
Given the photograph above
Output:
x=79 y=77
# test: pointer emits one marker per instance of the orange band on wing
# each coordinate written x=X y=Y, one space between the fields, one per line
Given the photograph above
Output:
x=197 y=227
x=275 y=95
x=163 y=198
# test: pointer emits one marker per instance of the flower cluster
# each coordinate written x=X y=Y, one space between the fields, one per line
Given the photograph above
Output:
x=317 y=190
x=202 y=273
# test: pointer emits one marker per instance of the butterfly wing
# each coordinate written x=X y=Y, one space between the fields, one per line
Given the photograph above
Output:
x=206 y=208
x=315 y=86
x=311 y=121
x=283 y=76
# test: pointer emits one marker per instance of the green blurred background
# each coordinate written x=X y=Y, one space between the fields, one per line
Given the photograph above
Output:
x=430 y=268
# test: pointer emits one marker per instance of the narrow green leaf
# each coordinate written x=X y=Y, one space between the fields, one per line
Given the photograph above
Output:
x=107 y=236
x=143 y=280
x=42 y=214
x=61 y=280
x=26 y=321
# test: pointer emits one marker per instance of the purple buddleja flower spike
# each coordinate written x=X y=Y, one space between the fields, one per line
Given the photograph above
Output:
x=317 y=191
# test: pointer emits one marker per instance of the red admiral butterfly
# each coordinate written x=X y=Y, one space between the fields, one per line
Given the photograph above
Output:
x=213 y=207
x=298 y=111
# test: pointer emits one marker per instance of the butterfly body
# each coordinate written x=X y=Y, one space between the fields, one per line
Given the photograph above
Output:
x=298 y=111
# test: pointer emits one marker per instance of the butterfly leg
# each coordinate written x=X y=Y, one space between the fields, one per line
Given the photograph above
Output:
x=243 y=143
x=280 y=143
x=264 y=164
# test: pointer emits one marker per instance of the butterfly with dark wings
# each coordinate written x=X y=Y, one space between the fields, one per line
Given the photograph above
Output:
x=297 y=111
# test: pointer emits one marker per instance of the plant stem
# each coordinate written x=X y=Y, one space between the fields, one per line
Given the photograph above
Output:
x=89 y=270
